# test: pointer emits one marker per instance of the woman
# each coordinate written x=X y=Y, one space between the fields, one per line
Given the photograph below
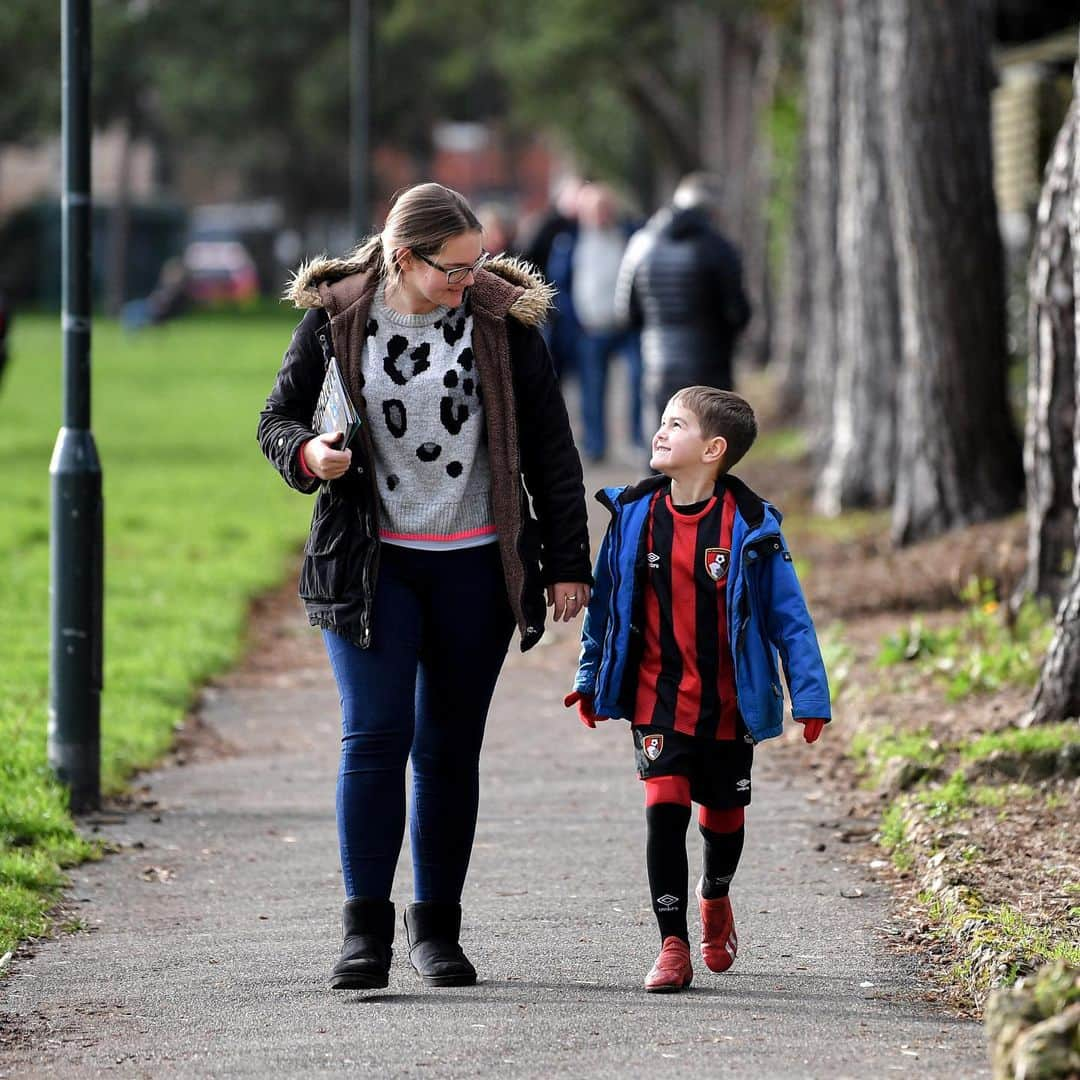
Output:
x=424 y=552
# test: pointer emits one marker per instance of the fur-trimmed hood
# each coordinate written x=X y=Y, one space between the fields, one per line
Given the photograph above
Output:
x=531 y=307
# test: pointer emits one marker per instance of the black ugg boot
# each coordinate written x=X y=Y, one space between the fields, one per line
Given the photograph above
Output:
x=433 y=930
x=365 y=955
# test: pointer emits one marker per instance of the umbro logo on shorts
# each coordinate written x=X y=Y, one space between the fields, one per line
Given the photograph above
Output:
x=742 y=785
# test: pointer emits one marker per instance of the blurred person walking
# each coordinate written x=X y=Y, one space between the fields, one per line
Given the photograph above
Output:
x=424 y=550
x=499 y=229
x=551 y=251
x=601 y=243
x=680 y=284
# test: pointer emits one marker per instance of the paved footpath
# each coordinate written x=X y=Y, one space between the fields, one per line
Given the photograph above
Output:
x=211 y=931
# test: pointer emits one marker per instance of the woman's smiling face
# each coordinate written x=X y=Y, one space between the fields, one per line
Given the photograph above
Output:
x=424 y=283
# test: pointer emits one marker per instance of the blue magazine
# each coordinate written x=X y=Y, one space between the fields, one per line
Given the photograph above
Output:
x=334 y=410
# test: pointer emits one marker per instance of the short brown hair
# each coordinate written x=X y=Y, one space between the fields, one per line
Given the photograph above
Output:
x=724 y=413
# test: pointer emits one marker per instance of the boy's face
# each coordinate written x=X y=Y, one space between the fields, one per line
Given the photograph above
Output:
x=678 y=447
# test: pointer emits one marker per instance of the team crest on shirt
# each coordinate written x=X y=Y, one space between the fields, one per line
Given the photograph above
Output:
x=652 y=746
x=716 y=562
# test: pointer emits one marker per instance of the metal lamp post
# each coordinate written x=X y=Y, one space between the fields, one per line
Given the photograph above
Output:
x=360 y=107
x=77 y=534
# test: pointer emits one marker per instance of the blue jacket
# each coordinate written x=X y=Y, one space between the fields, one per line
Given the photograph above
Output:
x=766 y=613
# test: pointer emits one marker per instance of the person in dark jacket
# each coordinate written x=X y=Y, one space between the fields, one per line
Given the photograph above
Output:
x=551 y=251
x=680 y=284
x=425 y=550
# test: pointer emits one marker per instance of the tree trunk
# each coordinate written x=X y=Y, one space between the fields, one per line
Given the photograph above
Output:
x=1057 y=697
x=662 y=114
x=739 y=65
x=959 y=455
x=1049 y=448
x=793 y=305
x=860 y=467
x=822 y=190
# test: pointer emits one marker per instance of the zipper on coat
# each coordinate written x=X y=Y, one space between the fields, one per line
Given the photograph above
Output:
x=613 y=615
x=750 y=590
x=369 y=572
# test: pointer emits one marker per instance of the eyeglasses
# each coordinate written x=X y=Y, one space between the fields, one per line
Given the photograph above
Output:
x=456 y=273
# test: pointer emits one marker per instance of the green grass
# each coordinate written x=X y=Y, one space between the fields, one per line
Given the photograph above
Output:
x=1001 y=796
x=946 y=801
x=979 y=653
x=838 y=657
x=1021 y=741
x=893 y=837
x=196 y=523
x=997 y=930
x=874 y=749
x=781 y=444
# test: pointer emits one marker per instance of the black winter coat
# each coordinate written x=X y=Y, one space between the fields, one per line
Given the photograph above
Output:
x=681 y=285
x=538 y=494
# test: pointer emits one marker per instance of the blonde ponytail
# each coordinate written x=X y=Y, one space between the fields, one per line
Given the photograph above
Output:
x=368 y=254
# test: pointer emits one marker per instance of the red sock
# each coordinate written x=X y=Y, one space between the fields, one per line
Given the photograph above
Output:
x=667 y=789
x=721 y=820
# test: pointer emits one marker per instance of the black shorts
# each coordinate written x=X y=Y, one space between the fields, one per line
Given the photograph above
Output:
x=718 y=770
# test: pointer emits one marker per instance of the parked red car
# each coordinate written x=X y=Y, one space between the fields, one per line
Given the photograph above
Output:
x=220 y=271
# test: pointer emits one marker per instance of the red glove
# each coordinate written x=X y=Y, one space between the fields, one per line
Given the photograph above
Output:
x=586 y=712
x=812 y=729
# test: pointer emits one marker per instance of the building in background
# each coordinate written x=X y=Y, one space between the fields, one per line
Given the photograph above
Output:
x=203 y=205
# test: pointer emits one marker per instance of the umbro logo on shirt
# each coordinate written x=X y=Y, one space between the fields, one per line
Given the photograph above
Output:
x=654 y=560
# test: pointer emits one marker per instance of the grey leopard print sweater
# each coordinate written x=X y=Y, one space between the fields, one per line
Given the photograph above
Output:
x=425 y=409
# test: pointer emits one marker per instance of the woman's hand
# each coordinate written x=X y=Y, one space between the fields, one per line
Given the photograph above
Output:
x=323 y=460
x=567 y=598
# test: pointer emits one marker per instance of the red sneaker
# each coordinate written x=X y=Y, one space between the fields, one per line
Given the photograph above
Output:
x=672 y=971
x=719 y=943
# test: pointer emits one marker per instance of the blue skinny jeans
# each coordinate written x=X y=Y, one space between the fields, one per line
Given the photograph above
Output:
x=440 y=632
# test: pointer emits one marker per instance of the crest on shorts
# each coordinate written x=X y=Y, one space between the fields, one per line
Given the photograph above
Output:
x=716 y=562
x=652 y=746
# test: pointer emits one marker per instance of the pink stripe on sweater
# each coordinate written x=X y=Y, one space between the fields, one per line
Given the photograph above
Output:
x=487 y=530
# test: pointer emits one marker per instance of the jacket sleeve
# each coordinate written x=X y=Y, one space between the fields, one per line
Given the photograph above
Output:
x=627 y=302
x=285 y=422
x=549 y=459
x=734 y=308
x=594 y=627
x=791 y=630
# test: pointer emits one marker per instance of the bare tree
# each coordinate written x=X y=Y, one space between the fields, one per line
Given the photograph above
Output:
x=740 y=59
x=860 y=467
x=822 y=141
x=793 y=303
x=959 y=457
x=1049 y=442
x=1057 y=697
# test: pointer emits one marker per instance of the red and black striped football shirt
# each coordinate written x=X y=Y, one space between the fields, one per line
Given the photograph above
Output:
x=686 y=680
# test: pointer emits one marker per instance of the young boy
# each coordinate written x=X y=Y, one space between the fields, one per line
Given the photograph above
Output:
x=695 y=593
